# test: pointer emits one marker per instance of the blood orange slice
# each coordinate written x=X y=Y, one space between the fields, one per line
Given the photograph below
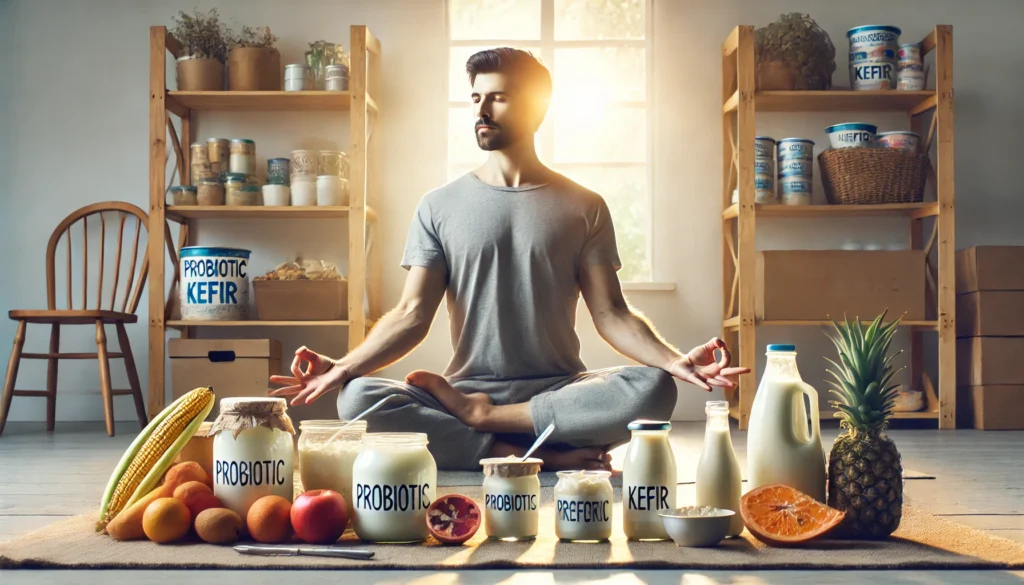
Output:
x=782 y=516
x=453 y=519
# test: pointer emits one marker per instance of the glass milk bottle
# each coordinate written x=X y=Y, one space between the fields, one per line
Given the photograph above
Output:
x=719 y=482
x=252 y=452
x=511 y=498
x=394 y=479
x=326 y=464
x=648 y=480
x=780 y=447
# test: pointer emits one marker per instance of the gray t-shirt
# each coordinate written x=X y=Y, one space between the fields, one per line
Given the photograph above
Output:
x=512 y=257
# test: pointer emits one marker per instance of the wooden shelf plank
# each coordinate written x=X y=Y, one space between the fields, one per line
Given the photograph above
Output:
x=839 y=101
x=178 y=324
x=254 y=212
x=261 y=101
x=914 y=210
x=733 y=323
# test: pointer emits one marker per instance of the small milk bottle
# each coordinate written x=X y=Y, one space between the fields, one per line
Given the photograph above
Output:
x=719 y=482
x=780 y=446
x=648 y=480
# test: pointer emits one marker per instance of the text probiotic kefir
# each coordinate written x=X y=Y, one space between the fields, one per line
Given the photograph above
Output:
x=648 y=480
x=325 y=461
x=394 y=480
x=252 y=452
x=583 y=506
x=511 y=498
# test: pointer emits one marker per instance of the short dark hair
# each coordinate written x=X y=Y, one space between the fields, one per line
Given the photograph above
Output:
x=528 y=69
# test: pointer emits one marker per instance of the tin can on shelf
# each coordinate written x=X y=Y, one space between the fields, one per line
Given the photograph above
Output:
x=214 y=283
x=764 y=148
x=909 y=55
x=910 y=79
x=297 y=77
x=899 y=139
x=796 y=190
x=210 y=192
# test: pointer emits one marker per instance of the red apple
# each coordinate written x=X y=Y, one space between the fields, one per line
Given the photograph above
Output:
x=319 y=516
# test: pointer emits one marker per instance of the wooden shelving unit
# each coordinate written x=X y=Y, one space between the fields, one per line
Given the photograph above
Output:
x=741 y=102
x=364 y=81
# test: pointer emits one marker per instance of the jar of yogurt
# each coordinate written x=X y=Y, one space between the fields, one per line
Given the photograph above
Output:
x=764 y=148
x=801 y=148
x=394 y=480
x=648 y=480
x=511 y=498
x=243 y=156
x=899 y=139
x=796 y=190
x=583 y=506
x=327 y=465
x=252 y=452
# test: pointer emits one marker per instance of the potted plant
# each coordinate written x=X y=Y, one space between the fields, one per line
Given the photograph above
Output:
x=254 y=64
x=200 y=64
x=793 y=53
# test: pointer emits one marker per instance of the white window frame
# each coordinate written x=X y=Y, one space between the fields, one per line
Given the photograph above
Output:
x=546 y=47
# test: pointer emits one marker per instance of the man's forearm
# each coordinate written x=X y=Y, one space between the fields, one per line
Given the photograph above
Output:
x=396 y=334
x=632 y=335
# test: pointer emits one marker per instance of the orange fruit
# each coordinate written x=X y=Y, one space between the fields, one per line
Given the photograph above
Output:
x=782 y=516
x=185 y=472
x=197 y=496
x=269 y=520
x=166 y=520
x=453 y=519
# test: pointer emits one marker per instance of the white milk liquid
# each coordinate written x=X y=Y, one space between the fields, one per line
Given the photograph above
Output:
x=258 y=463
x=392 y=488
x=329 y=467
x=583 y=507
x=648 y=485
x=511 y=507
x=719 y=483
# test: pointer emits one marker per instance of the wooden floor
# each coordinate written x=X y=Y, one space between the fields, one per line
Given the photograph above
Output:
x=979 y=482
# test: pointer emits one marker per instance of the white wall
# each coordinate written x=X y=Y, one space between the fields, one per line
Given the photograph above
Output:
x=74 y=130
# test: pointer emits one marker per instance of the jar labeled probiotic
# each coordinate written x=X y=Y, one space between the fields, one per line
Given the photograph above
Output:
x=252 y=452
x=648 y=480
x=394 y=480
x=325 y=461
x=583 y=506
x=511 y=498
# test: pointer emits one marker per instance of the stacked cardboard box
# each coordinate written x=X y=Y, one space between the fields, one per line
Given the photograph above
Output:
x=990 y=337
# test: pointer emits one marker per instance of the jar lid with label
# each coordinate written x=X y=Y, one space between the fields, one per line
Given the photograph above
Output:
x=241 y=414
x=511 y=466
x=242 y=141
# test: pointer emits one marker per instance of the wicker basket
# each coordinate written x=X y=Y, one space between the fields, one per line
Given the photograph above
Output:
x=872 y=175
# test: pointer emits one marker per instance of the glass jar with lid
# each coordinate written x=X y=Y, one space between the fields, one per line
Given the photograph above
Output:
x=252 y=452
x=648 y=480
x=326 y=464
x=243 y=156
x=394 y=480
x=583 y=506
x=511 y=498
x=183 y=195
x=210 y=192
x=244 y=196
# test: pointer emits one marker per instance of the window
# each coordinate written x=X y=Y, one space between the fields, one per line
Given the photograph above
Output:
x=597 y=129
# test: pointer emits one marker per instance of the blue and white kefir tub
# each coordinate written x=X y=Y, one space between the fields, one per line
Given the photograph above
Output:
x=801 y=148
x=796 y=190
x=764 y=148
x=873 y=56
x=214 y=283
x=901 y=139
x=796 y=167
x=851 y=135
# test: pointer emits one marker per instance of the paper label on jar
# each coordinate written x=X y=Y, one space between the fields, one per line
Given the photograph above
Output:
x=393 y=498
x=578 y=509
x=214 y=286
x=250 y=473
x=510 y=502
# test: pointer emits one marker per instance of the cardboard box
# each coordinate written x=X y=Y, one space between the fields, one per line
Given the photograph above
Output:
x=990 y=313
x=234 y=367
x=301 y=300
x=986 y=361
x=991 y=408
x=199 y=448
x=990 y=268
x=813 y=284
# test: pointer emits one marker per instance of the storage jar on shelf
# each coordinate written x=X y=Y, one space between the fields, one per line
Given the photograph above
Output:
x=183 y=195
x=297 y=77
x=275 y=195
x=243 y=156
x=247 y=195
x=304 y=191
x=210 y=192
x=331 y=191
x=218 y=151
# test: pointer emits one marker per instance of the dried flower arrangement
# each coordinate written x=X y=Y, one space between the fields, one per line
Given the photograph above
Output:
x=258 y=37
x=202 y=36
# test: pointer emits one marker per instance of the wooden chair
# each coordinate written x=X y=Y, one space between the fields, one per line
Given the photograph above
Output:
x=133 y=282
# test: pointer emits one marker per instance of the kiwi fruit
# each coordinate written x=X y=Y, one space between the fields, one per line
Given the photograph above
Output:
x=218 y=526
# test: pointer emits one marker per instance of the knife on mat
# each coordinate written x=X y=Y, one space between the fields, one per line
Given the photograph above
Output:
x=307 y=551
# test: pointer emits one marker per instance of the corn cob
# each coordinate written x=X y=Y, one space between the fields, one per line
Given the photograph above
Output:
x=153 y=451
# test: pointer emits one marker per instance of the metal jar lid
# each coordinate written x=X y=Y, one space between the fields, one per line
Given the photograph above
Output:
x=650 y=425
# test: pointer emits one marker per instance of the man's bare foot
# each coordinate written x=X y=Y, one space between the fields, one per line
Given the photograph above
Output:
x=594 y=458
x=471 y=409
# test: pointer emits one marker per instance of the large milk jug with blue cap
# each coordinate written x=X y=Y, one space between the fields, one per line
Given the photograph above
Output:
x=781 y=446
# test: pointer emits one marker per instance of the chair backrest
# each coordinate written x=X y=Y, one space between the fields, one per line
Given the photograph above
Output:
x=131 y=278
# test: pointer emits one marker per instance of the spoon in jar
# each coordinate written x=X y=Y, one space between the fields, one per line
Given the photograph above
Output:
x=361 y=415
x=540 y=441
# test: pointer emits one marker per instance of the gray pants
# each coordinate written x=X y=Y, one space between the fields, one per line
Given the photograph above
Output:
x=588 y=409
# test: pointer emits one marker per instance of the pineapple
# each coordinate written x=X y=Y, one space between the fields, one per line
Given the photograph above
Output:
x=864 y=470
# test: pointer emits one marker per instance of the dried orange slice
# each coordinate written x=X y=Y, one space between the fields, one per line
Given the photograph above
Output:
x=782 y=516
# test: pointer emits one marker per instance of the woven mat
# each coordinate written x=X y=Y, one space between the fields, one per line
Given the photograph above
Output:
x=922 y=542
x=549 y=479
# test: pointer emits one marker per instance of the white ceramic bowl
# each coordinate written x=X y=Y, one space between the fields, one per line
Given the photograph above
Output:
x=687 y=530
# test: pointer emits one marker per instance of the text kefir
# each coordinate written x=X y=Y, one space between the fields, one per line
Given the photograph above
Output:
x=648 y=480
x=394 y=480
